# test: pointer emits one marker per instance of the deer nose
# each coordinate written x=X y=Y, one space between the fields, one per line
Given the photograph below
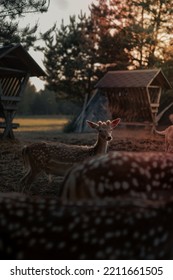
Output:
x=109 y=138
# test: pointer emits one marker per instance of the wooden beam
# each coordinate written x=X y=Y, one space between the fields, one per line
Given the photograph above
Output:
x=14 y=125
x=8 y=129
x=149 y=100
x=11 y=70
x=24 y=84
x=159 y=95
x=136 y=123
x=158 y=117
x=10 y=107
x=10 y=98
x=153 y=87
x=9 y=86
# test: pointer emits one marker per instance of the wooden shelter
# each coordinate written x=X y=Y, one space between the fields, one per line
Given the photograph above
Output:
x=134 y=95
x=16 y=66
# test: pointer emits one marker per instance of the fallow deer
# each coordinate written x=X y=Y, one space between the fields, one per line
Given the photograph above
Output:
x=42 y=229
x=118 y=173
x=58 y=158
x=168 y=133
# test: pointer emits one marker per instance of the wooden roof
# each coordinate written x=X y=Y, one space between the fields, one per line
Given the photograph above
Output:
x=134 y=79
x=16 y=61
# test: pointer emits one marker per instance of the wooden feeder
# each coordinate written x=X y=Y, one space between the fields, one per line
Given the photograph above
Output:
x=134 y=96
x=16 y=66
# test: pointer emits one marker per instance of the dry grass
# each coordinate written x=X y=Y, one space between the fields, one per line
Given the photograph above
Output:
x=41 y=123
x=40 y=127
x=50 y=129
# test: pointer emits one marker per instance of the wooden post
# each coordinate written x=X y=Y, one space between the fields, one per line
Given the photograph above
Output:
x=9 y=110
x=24 y=83
x=8 y=131
x=83 y=113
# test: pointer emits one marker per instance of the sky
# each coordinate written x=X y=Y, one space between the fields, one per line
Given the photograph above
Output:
x=58 y=10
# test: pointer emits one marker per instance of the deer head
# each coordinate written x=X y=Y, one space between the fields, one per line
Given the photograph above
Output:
x=104 y=128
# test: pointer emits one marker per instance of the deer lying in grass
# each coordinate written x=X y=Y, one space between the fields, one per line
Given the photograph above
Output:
x=119 y=173
x=58 y=158
x=168 y=133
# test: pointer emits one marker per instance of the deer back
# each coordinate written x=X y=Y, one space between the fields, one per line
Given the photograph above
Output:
x=42 y=228
x=118 y=173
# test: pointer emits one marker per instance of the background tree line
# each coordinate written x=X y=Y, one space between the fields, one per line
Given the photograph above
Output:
x=116 y=35
x=44 y=103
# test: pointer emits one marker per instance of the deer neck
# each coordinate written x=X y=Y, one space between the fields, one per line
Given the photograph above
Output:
x=101 y=146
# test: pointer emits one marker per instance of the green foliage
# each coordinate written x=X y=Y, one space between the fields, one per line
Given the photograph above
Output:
x=116 y=35
x=111 y=36
x=10 y=12
x=78 y=54
x=13 y=9
x=144 y=26
x=70 y=58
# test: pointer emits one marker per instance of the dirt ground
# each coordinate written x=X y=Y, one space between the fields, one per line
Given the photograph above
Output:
x=11 y=164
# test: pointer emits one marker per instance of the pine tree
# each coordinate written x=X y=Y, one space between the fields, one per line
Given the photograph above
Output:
x=118 y=34
x=70 y=58
x=151 y=29
x=109 y=19
x=143 y=27
x=10 y=13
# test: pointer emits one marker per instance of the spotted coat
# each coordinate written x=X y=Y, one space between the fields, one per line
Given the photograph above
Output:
x=35 y=228
x=57 y=158
x=119 y=173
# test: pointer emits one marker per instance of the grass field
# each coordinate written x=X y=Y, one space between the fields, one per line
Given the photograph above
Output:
x=41 y=123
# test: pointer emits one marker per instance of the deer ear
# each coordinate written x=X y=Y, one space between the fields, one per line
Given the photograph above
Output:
x=115 y=122
x=92 y=124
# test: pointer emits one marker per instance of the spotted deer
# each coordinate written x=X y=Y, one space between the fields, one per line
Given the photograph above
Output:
x=45 y=229
x=168 y=133
x=119 y=173
x=58 y=158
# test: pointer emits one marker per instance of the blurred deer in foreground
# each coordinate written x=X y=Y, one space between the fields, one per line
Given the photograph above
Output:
x=168 y=133
x=58 y=158
x=44 y=229
x=119 y=173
